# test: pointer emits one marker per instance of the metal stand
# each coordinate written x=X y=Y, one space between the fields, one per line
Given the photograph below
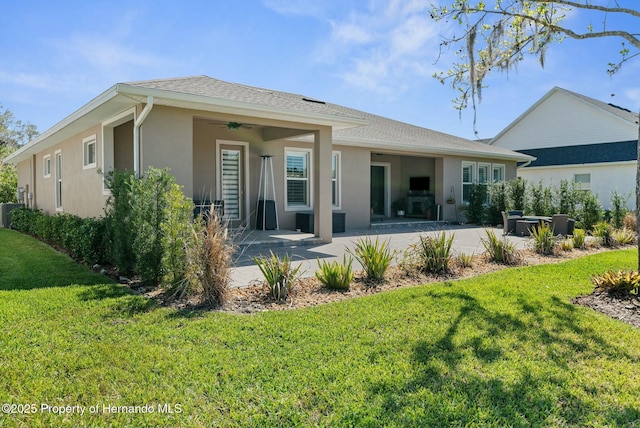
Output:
x=267 y=216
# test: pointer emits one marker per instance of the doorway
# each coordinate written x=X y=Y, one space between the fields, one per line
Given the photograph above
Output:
x=380 y=189
x=232 y=180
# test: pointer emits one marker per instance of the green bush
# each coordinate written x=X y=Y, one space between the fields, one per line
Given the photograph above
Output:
x=517 y=193
x=590 y=212
x=120 y=232
x=500 y=250
x=498 y=201
x=543 y=240
x=623 y=236
x=604 y=232
x=618 y=209
x=23 y=219
x=567 y=197
x=81 y=238
x=279 y=274
x=475 y=209
x=434 y=253
x=539 y=200
x=8 y=180
x=465 y=260
x=335 y=275
x=374 y=256
x=566 y=244
x=579 y=238
x=147 y=225
x=618 y=282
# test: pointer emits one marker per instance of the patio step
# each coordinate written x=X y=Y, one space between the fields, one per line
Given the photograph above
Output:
x=277 y=243
x=406 y=224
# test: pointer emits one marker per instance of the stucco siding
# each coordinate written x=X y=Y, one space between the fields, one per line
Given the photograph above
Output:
x=167 y=142
x=563 y=120
x=25 y=179
x=81 y=188
x=123 y=146
x=356 y=178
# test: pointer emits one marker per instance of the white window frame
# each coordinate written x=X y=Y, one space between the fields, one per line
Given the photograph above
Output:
x=583 y=186
x=488 y=179
x=337 y=180
x=503 y=173
x=473 y=181
x=487 y=166
x=59 y=176
x=46 y=166
x=86 y=143
x=309 y=153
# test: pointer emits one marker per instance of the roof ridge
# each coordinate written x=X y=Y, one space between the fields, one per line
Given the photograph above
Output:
x=619 y=110
x=167 y=79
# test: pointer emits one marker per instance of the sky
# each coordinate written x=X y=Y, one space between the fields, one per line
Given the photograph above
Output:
x=372 y=55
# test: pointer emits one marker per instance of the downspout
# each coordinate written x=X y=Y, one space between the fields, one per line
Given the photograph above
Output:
x=526 y=164
x=136 y=134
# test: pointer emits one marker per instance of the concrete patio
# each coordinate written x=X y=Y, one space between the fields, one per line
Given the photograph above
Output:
x=305 y=249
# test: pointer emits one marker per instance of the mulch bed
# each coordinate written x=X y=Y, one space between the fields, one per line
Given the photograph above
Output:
x=310 y=292
x=622 y=307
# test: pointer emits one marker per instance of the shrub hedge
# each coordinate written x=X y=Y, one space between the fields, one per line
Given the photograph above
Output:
x=81 y=237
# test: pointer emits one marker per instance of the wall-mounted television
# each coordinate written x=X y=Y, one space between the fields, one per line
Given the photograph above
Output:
x=419 y=184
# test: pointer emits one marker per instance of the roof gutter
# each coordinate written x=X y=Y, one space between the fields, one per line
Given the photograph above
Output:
x=385 y=145
x=526 y=164
x=222 y=105
x=136 y=134
x=28 y=149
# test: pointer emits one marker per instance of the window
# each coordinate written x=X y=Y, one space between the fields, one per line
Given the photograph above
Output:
x=58 y=160
x=468 y=179
x=46 y=166
x=335 y=179
x=483 y=173
x=298 y=184
x=583 y=181
x=498 y=173
x=483 y=178
x=89 y=152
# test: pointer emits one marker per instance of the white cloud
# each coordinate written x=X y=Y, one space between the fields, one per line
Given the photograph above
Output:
x=382 y=47
x=296 y=7
x=351 y=33
x=104 y=54
x=633 y=94
x=30 y=80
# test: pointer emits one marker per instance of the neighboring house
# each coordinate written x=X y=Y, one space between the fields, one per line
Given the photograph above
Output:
x=212 y=135
x=578 y=139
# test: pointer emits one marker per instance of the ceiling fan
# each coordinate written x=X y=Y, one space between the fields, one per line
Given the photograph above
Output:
x=236 y=125
x=230 y=125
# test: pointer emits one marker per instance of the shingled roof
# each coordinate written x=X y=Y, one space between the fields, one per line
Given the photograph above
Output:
x=623 y=151
x=378 y=132
x=350 y=127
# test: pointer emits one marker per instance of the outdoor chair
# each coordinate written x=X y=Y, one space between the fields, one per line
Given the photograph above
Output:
x=518 y=213
x=508 y=223
x=560 y=224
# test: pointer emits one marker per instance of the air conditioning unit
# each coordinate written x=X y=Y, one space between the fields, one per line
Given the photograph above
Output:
x=5 y=209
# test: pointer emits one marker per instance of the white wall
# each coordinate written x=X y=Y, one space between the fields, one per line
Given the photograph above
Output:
x=605 y=178
x=564 y=120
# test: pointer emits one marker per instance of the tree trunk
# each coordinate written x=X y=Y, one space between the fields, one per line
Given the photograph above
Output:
x=638 y=190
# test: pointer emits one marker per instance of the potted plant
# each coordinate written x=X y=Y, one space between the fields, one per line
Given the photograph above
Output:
x=399 y=206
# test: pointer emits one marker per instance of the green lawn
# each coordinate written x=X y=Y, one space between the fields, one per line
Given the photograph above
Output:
x=504 y=349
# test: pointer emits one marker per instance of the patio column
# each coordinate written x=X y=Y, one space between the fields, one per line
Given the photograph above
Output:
x=322 y=209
